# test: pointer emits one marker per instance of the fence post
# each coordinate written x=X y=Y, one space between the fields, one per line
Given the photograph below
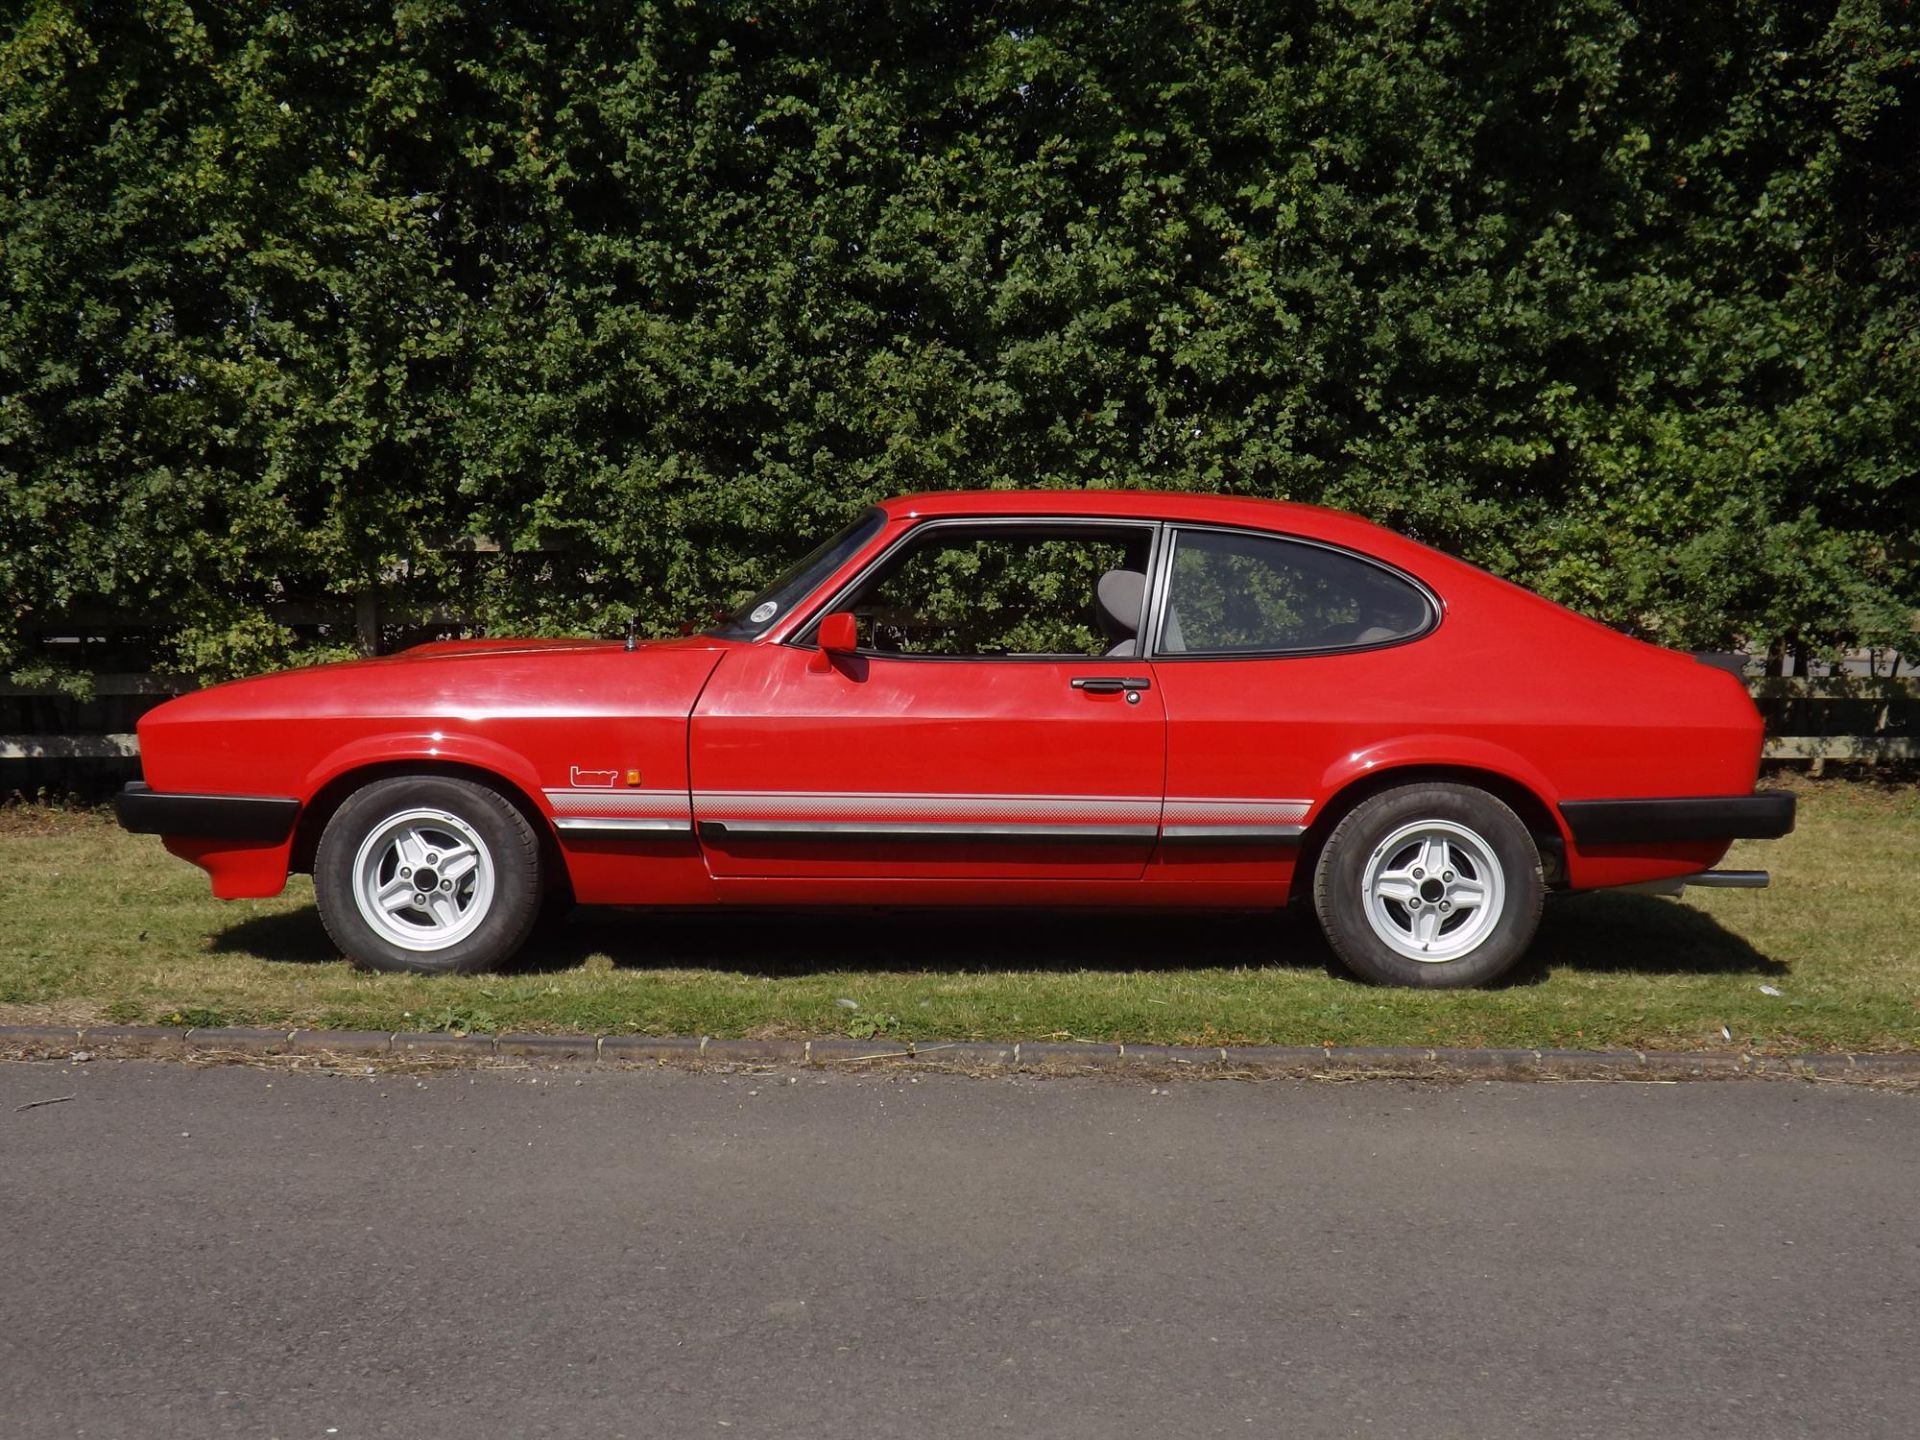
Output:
x=366 y=622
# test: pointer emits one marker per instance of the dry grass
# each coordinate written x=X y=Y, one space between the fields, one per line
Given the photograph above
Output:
x=96 y=925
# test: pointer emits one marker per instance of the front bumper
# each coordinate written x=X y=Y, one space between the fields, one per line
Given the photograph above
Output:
x=1766 y=815
x=264 y=819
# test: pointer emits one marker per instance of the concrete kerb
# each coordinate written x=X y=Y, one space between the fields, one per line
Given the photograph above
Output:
x=649 y=1049
x=969 y=1057
x=235 y=1040
x=343 y=1043
x=551 y=1049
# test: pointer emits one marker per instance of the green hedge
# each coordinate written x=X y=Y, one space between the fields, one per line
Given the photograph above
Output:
x=1617 y=299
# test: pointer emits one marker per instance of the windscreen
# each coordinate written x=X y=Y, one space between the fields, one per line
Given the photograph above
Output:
x=800 y=579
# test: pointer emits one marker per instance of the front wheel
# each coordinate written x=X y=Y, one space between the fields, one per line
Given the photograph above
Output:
x=1436 y=886
x=428 y=874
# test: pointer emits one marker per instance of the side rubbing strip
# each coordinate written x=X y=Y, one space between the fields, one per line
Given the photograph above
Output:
x=1234 y=834
x=587 y=813
x=916 y=830
x=591 y=827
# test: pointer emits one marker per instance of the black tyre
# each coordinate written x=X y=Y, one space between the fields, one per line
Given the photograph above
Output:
x=1436 y=886
x=428 y=874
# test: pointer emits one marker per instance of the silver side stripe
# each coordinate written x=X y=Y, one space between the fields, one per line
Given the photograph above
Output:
x=907 y=808
x=636 y=804
x=1205 y=810
x=902 y=815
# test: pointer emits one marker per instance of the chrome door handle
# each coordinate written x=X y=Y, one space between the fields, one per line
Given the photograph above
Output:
x=1111 y=684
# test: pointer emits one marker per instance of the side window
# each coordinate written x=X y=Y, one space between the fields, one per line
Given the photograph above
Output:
x=1006 y=592
x=1233 y=593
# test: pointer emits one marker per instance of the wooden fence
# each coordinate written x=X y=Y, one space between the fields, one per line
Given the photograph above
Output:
x=1816 y=722
x=59 y=742
x=1842 y=719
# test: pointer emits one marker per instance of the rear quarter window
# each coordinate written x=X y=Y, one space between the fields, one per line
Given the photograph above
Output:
x=1237 y=594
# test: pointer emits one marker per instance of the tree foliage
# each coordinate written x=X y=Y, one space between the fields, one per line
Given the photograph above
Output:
x=1618 y=299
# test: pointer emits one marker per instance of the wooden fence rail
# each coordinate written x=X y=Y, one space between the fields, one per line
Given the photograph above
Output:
x=1817 y=722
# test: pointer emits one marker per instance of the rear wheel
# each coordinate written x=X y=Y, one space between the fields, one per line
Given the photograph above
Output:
x=429 y=874
x=1436 y=886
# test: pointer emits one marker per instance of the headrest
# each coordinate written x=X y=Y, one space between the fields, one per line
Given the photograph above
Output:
x=1120 y=593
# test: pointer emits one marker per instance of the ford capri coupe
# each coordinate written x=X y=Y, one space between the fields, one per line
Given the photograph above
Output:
x=996 y=699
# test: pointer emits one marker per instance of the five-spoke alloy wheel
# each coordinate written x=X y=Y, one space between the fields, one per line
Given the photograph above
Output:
x=428 y=873
x=1435 y=885
x=424 y=879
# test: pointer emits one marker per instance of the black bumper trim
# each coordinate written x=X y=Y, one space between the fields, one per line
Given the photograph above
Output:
x=1764 y=816
x=146 y=811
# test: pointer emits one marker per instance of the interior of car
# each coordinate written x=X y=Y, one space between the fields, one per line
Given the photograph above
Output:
x=1048 y=591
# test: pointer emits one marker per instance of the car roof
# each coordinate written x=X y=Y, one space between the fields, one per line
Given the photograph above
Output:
x=1283 y=515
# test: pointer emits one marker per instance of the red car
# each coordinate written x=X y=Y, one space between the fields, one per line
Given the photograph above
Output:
x=1053 y=699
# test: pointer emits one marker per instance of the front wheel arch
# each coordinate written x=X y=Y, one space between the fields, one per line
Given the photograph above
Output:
x=315 y=814
x=1534 y=813
x=481 y=893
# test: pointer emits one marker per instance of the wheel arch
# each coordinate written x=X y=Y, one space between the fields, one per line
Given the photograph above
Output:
x=332 y=794
x=1549 y=835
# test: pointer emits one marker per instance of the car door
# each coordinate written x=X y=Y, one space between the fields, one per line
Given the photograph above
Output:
x=1274 y=656
x=979 y=729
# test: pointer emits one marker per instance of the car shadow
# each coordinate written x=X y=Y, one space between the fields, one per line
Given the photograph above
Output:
x=1607 y=933
x=771 y=944
x=291 y=937
x=1589 y=933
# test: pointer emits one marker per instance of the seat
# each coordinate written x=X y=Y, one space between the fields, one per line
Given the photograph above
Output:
x=1118 y=597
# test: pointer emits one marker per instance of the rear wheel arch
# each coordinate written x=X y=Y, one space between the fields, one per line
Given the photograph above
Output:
x=328 y=799
x=1432 y=885
x=1534 y=813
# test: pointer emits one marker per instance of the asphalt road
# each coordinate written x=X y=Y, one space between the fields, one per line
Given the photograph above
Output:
x=250 y=1252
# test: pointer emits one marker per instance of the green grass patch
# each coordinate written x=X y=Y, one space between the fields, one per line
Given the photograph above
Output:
x=97 y=925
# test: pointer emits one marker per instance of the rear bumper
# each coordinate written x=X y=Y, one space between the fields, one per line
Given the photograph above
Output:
x=1766 y=815
x=264 y=819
